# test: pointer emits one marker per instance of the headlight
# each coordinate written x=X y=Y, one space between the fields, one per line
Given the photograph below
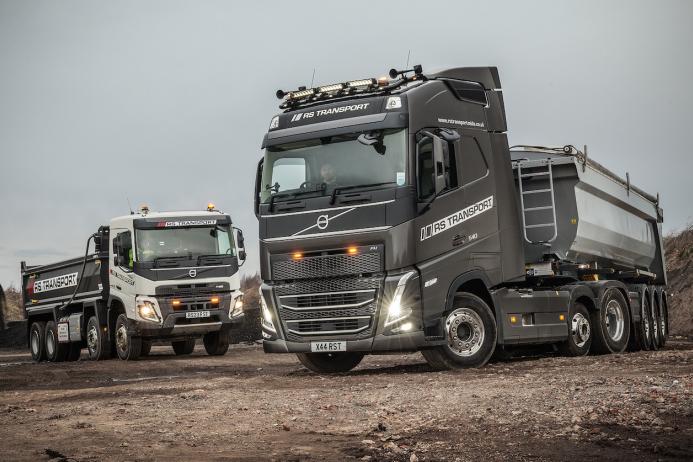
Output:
x=267 y=322
x=396 y=311
x=236 y=307
x=147 y=308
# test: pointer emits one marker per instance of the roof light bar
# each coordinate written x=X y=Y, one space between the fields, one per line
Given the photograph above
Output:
x=331 y=88
x=362 y=83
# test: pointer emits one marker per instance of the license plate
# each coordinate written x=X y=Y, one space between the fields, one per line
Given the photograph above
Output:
x=327 y=347
x=197 y=314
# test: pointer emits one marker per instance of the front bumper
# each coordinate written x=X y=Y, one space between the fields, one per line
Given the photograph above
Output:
x=410 y=341
x=177 y=325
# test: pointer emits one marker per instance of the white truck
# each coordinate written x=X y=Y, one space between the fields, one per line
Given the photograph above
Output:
x=152 y=277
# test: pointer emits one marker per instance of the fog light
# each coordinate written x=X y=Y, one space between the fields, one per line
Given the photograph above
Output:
x=406 y=327
x=561 y=317
x=513 y=319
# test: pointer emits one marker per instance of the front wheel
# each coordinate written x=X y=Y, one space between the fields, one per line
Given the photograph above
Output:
x=579 y=331
x=330 y=362
x=128 y=347
x=216 y=343
x=37 y=341
x=471 y=334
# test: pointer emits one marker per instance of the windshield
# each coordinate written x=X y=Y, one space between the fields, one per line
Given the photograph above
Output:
x=183 y=242
x=323 y=164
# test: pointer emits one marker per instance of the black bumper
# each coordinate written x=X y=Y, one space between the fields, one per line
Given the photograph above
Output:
x=410 y=341
x=172 y=326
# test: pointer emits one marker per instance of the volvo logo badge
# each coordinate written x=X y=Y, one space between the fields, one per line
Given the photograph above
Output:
x=192 y=273
x=323 y=221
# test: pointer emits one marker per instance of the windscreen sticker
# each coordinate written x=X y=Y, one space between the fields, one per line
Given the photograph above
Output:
x=58 y=282
x=400 y=178
x=330 y=111
x=456 y=218
x=175 y=224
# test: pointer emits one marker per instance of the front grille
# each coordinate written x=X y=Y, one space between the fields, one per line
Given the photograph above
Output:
x=343 y=307
x=192 y=290
x=321 y=266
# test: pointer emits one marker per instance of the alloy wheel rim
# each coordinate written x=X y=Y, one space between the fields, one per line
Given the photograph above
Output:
x=580 y=329
x=92 y=337
x=35 y=343
x=50 y=343
x=614 y=318
x=465 y=332
x=122 y=338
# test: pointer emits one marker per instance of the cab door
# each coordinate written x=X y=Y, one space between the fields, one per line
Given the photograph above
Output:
x=122 y=276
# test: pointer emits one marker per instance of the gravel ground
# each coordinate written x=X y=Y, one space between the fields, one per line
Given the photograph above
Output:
x=251 y=406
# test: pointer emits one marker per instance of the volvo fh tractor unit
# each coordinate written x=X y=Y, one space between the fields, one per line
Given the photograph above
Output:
x=152 y=277
x=393 y=216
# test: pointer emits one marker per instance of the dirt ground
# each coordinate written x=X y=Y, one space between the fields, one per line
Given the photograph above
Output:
x=251 y=406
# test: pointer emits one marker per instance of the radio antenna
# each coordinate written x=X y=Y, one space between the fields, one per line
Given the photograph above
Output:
x=312 y=79
x=408 y=55
x=129 y=206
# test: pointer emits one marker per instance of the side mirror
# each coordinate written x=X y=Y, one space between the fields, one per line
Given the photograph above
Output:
x=439 y=163
x=242 y=255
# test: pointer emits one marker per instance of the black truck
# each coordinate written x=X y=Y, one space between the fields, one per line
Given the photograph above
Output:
x=394 y=216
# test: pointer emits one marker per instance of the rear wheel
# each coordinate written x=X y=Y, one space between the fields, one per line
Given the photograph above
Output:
x=183 y=347
x=127 y=347
x=656 y=325
x=664 y=319
x=37 y=341
x=216 y=343
x=330 y=362
x=98 y=346
x=55 y=351
x=470 y=331
x=644 y=327
x=579 y=331
x=611 y=323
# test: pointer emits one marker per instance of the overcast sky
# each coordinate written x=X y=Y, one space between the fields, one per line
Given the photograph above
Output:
x=166 y=102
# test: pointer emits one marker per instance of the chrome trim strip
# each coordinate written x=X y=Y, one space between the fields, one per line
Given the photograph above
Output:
x=202 y=324
x=188 y=267
x=330 y=332
x=327 y=210
x=329 y=307
x=330 y=293
x=327 y=319
x=331 y=233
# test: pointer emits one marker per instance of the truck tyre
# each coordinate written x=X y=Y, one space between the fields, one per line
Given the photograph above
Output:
x=579 y=331
x=55 y=351
x=216 y=343
x=611 y=323
x=330 y=363
x=98 y=346
x=183 y=347
x=656 y=325
x=643 y=328
x=471 y=334
x=665 y=319
x=146 y=348
x=37 y=341
x=127 y=347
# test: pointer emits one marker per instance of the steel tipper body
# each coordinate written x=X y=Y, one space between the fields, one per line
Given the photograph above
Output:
x=393 y=218
x=152 y=277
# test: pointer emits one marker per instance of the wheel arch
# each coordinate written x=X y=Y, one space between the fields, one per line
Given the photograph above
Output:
x=473 y=282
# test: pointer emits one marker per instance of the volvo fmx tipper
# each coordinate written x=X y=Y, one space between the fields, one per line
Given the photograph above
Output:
x=152 y=277
x=393 y=216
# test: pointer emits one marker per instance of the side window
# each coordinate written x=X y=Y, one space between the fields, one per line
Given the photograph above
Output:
x=122 y=248
x=473 y=163
x=450 y=166
x=425 y=169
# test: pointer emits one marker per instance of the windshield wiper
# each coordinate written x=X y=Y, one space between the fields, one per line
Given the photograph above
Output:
x=289 y=196
x=339 y=190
